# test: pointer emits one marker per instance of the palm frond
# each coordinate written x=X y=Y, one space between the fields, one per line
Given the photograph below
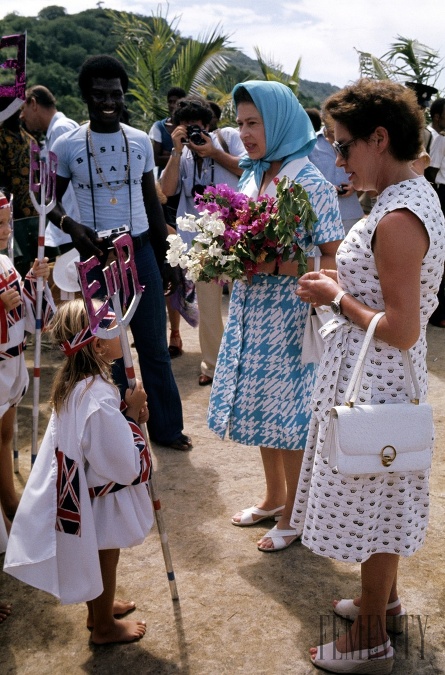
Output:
x=411 y=57
x=294 y=81
x=200 y=61
x=272 y=72
x=374 y=68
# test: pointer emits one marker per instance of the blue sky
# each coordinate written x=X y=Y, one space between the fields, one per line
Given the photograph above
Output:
x=323 y=32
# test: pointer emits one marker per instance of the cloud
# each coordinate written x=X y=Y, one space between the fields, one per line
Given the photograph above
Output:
x=324 y=33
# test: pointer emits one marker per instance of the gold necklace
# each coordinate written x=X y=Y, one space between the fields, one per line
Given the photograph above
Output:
x=112 y=189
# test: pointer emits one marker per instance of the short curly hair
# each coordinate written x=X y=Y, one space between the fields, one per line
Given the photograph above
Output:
x=367 y=104
x=192 y=108
x=101 y=66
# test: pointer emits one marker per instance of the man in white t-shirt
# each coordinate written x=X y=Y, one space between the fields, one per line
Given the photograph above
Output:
x=210 y=160
x=110 y=166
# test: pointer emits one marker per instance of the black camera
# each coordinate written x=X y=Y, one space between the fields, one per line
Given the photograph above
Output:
x=198 y=189
x=194 y=134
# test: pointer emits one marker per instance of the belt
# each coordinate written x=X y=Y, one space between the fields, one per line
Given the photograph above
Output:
x=140 y=240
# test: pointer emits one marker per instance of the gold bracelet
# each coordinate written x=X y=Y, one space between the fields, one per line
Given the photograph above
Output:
x=65 y=215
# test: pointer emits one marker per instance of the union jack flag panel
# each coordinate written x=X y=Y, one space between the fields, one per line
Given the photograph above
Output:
x=145 y=470
x=68 y=495
x=9 y=280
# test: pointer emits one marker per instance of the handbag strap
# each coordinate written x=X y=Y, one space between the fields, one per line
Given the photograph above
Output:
x=356 y=379
x=316 y=269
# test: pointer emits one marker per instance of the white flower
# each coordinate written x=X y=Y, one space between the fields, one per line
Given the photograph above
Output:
x=176 y=250
x=188 y=223
x=215 y=227
x=215 y=251
x=203 y=238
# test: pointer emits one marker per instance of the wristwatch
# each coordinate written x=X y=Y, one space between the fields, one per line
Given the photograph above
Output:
x=175 y=153
x=335 y=304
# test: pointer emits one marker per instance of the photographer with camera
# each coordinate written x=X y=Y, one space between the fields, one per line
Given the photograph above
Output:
x=200 y=158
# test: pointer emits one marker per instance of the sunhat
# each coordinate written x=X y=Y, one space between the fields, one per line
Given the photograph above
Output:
x=65 y=272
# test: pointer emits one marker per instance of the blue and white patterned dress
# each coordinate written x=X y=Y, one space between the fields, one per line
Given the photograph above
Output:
x=350 y=518
x=261 y=391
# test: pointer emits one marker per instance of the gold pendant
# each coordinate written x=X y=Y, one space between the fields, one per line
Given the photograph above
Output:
x=113 y=200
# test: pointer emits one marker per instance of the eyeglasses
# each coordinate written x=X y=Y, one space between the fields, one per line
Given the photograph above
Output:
x=342 y=148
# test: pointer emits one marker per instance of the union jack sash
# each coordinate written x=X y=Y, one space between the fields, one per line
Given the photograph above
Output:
x=145 y=468
x=68 y=495
x=9 y=280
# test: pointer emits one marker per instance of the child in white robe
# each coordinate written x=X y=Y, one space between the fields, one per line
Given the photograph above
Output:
x=87 y=494
x=17 y=307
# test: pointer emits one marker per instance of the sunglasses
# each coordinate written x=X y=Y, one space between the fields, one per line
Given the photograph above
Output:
x=342 y=149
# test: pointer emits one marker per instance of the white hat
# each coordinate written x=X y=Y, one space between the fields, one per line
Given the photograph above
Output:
x=65 y=271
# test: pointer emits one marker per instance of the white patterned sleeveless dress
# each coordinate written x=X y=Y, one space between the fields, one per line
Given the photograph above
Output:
x=352 y=518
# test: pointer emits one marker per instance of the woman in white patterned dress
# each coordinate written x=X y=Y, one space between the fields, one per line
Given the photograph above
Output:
x=392 y=262
x=261 y=389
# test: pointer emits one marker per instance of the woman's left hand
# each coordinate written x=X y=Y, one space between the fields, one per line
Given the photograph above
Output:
x=40 y=268
x=318 y=288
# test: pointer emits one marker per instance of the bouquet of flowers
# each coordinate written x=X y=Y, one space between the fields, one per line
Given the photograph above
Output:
x=236 y=233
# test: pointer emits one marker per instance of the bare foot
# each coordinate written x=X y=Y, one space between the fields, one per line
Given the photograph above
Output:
x=120 y=609
x=119 y=631
x=5 y=611
x=123 y=607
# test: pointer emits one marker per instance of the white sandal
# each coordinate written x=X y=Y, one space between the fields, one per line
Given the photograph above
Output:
x=247 y=516
x=378 y=660
x=394 y=623
x=279 y=542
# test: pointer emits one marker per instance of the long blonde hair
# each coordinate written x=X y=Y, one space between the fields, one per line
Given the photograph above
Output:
x=70 y=319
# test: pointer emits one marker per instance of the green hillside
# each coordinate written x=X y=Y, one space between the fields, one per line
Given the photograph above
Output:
x=58 y=43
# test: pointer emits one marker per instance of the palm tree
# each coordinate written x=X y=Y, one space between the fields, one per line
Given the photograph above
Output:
x=158 y=58
x=406 y=59
x=274 y=72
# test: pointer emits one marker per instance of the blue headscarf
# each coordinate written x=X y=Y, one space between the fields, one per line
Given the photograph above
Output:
x=289 y=131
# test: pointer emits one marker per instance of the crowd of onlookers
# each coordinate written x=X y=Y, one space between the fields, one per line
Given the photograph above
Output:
x=378 y=221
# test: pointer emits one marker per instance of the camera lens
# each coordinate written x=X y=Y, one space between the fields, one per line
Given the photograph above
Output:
x=194 y=134
x=198 y=189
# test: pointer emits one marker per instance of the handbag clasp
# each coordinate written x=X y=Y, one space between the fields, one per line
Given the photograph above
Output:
x=388 y=455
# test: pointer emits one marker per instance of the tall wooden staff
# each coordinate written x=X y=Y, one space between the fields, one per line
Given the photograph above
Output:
x=116 y=276
x=42 y=184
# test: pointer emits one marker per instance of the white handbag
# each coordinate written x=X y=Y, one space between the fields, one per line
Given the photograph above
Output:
x=313 y=344
x=381 y=438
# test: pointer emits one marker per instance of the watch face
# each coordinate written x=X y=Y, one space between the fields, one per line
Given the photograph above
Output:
x=335 y=306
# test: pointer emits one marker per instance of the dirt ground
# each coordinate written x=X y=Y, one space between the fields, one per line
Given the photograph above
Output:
x=240 y=611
